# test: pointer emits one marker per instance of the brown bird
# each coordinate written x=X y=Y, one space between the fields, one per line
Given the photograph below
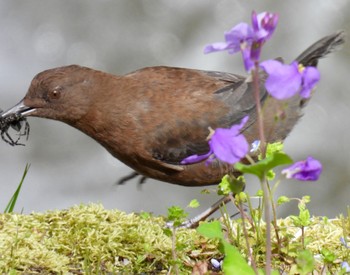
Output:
x=153 y=118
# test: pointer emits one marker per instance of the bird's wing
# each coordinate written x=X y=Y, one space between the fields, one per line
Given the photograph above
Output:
x=186 y=134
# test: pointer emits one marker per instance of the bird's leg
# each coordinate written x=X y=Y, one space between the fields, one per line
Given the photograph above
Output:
x=123 y=180
x=142 y=180
x=132 y=175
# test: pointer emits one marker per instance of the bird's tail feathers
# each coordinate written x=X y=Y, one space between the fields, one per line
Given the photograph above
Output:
x=321 y=48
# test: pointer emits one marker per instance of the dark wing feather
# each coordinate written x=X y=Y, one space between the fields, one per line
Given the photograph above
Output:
x=321 y=48
x=229 y=105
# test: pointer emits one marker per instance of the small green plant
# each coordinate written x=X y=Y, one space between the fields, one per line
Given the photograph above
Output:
x=12 y=203
x=234 y=262
x=176 y=216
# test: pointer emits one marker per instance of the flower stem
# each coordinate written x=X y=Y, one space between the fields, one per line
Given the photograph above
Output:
x=246 y=236
x=256 y=87
x=173 y=249
x=274 y=220
x=264 y=183
x=266 y=201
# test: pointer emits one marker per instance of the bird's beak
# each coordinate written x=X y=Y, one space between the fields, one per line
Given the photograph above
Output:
x=19 y=108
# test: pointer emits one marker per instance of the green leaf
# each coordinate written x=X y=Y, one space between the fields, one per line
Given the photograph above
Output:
x=211 y=230
x=168 y=232
x=145 y=215
x=205 y=192
x=270 y=175
x=306 y=199
x=304 y=217
x=305 y=262
x=234 y=263
x=328 y=256
x=262 y=167
x=259 y=193
x=230 y=184
x=177 y=215
x=296 y=220
x=273 y=148
x=193 y=204
x=11 y=204
x=282 y=200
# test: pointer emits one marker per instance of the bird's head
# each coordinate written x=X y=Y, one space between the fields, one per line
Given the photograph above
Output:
x=61 y=94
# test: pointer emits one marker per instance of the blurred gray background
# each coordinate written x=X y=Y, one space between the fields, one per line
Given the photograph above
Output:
x=69 y=168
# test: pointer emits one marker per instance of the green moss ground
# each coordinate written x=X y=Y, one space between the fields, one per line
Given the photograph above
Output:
x=91 y=239
x=88 y=239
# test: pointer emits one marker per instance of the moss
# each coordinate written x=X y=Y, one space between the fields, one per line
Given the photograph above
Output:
x=90 y=239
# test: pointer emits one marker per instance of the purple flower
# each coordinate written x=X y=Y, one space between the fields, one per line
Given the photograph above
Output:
x=247 y=39
x=264 y=24
x=284 y=81
x=345 y=266
x=306 y=170
x=344 y=242
x=227 y=145
x=254 y=147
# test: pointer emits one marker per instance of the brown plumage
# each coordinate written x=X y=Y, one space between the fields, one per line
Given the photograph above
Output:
x=153 y=118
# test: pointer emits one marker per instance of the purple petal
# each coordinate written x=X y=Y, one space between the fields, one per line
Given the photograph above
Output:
x=264 y=24
x=227 y=148
x=254 y=147
x=248 y=62
x=271 y=66
x=239 y=37
x=344 y=242
x=243 y=122
x=268 y=23
x=241 y=34
x=307 y=170
x=284 y=81
x=196 y=158
x=236 y=128
x=345 y=266
x=228 y=145
x=255 y=21
x=310 y=77
x=215 y=47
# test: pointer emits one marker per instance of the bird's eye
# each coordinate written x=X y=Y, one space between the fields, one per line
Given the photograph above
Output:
x=55 y=93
